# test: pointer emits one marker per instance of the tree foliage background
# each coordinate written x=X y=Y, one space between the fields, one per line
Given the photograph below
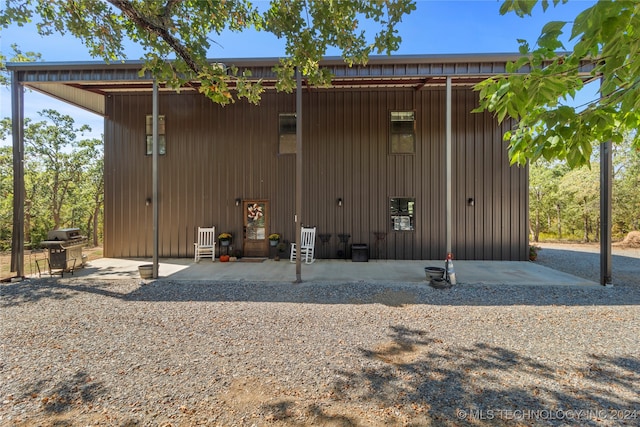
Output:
x=606 y=36
x=63 y=179
x=565 y=203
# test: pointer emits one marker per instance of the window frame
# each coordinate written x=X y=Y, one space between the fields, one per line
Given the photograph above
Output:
x=285 y=145
x=397 y=215
x=396 y=132
x=162 y=141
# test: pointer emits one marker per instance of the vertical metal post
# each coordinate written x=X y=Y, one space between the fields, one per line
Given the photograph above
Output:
x=154 y=179
x=17 y=124
x=448 y=168
x=606 y=172
x=298 y=216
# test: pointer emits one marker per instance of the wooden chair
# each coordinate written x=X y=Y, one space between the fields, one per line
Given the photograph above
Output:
x=307 y=245
x=206 y=244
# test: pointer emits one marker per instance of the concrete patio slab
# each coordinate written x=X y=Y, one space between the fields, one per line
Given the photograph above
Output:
x=388 y=271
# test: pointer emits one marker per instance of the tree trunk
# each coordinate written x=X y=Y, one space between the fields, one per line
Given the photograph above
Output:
x=95 y=227
x=536 y=235
x=90 y=226
x=585 y=217
x=559 y=221
x=98 y=199
x=532 y=234
x=27 y=220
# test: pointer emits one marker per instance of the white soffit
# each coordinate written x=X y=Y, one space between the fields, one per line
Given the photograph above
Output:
x=90 y=101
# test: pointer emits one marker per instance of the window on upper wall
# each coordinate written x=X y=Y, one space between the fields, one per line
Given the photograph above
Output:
x=287 y=131
x=402 y=212
x=402 y=132
x=162 y=143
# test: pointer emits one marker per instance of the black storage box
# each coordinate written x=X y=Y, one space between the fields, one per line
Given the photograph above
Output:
x=359 y=252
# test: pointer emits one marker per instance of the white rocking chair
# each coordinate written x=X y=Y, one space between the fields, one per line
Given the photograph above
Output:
x=205 y=244
x=307 y=245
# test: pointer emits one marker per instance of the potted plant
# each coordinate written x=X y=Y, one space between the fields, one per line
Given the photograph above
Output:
x=533 y=252
x=274 y=238
x=280 y=247
x=225 y=238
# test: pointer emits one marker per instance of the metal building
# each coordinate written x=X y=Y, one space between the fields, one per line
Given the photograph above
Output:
x=392 y=156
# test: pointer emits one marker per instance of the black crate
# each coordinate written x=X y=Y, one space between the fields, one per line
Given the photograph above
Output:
x=359 y=252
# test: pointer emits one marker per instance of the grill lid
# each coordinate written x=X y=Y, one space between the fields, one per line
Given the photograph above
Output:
x=64 y=234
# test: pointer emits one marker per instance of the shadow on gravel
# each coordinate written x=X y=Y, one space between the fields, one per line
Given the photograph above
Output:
x=63 y=396
x=392 y=294
x=34 y=290
x=425 y=378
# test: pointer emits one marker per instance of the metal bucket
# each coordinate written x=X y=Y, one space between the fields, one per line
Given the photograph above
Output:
x=146 y=271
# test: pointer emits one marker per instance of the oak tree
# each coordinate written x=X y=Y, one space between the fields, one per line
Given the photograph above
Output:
x=606 y=35
x=176 y=34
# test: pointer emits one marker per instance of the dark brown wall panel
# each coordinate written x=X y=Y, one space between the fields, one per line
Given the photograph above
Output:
x=218 y=154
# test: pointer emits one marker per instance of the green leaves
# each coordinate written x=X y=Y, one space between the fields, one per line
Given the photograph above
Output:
x=176 y=35
x=608 y=41
x=63 y=174
x=18 y=56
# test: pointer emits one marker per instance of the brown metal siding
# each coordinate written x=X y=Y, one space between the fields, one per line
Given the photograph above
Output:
x=218 y=154
x=495 y=227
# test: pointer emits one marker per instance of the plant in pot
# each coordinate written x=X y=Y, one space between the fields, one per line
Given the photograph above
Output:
x=533 y=252
x=274 y=238
x=281 y=248
x=225 y=238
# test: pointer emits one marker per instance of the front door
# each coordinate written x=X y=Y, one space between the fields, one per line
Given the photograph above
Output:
x=256 y=232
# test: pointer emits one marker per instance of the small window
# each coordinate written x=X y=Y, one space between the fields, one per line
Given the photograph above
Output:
x=402 y=132
x=287 y=131
x=402 y=211
x=162 y=144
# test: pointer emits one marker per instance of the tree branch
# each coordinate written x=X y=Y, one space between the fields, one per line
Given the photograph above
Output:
x=159 y=29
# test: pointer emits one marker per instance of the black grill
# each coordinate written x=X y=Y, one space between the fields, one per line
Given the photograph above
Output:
x=65 y=248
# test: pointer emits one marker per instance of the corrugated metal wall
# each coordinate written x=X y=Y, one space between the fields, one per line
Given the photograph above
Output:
x=218 y=154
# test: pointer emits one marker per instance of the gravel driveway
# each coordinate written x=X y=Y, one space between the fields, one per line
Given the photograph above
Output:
x=121 y=353
x=583 y=260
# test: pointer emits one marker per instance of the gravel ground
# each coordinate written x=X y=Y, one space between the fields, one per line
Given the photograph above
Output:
x=126 y=353
x=583 y=260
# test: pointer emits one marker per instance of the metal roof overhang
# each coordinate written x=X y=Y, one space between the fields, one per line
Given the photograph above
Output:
x=85 y=84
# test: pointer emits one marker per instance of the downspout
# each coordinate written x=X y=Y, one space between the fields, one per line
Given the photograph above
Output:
x=17 y=124
x=298 y=214
x=154 y=178
x=448 y=168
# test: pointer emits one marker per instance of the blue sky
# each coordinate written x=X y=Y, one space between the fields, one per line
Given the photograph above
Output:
x=436 y=27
